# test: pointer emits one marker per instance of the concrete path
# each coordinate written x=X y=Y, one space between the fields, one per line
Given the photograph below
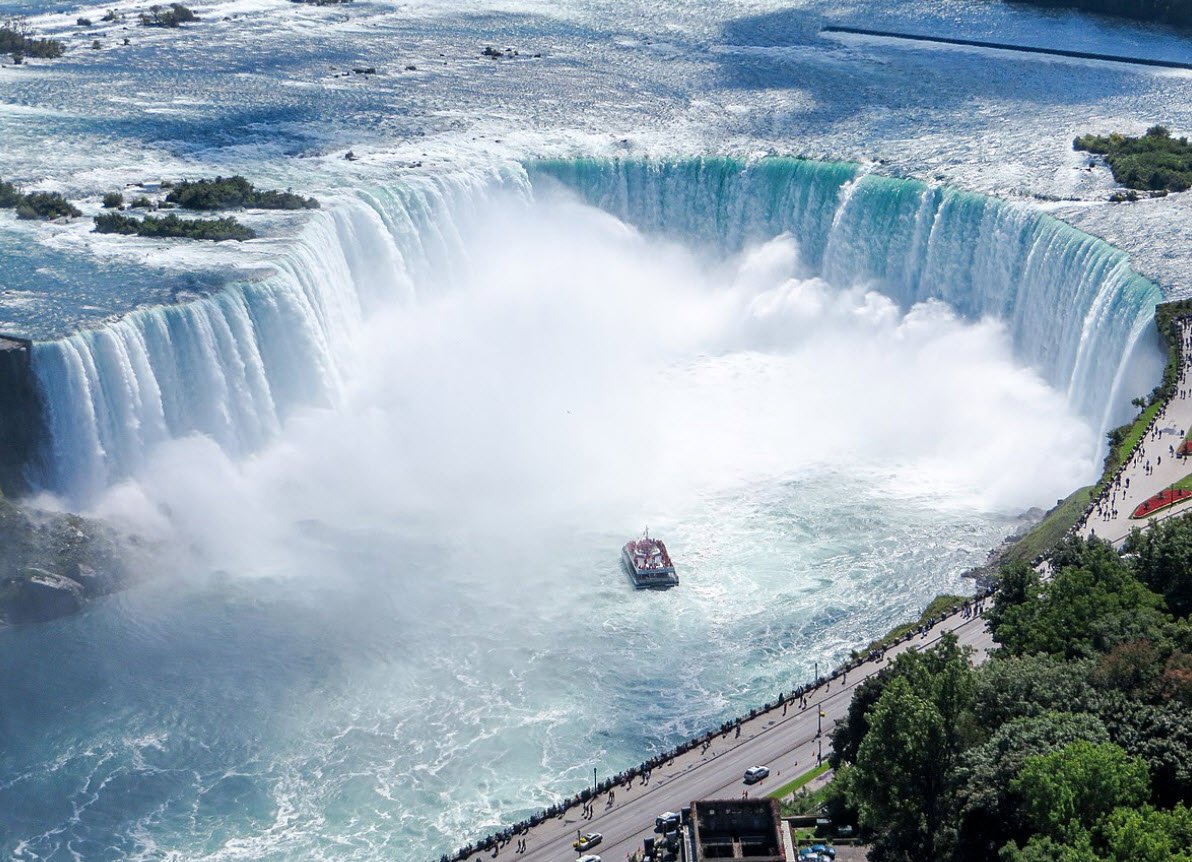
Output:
x=788 y=744
x=1156 y=451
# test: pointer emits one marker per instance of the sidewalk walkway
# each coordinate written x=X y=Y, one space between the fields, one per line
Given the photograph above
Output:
x=1157 y=453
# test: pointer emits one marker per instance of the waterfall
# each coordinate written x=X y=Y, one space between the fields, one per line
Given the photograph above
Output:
x=1074 y=308
x=234 y=364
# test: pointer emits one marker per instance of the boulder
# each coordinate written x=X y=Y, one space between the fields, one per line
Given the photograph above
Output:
x=39 y=595
x=93 y=582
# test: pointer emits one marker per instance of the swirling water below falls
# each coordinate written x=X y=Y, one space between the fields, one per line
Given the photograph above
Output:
x=394 y=618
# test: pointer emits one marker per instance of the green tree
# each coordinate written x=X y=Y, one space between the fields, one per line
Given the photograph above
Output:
x=1067 y=792
x=1148 y=835
x=1163 y=561
x=1089 y=606
x=1159 y=733
x=851 y=730
x=1043 y=849
x=917 y=729
x=988 y=812
x=1025 y=686
x=1019 y=584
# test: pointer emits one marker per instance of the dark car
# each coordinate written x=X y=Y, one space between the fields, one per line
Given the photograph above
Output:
x=667 y=821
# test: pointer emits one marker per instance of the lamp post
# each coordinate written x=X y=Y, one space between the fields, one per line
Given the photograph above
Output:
x=593 y=780
x=819 y=720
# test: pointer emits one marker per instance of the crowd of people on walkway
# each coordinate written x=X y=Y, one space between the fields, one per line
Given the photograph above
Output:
x=1105 y=507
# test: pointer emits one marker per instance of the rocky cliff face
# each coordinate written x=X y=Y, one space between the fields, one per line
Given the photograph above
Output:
x=21 y=417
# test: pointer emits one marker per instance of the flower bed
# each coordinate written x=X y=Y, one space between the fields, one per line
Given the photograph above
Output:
x=1185 y=449
x=1166 y=497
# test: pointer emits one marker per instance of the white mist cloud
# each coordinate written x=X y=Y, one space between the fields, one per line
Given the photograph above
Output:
x=588 y=369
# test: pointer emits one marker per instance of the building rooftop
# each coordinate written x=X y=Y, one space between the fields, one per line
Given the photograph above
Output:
x=747 y=830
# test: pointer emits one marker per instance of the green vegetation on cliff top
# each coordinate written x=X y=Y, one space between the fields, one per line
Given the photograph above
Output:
x=941 y=604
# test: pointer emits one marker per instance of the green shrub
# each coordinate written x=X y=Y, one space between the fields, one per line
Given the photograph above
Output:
x=15 y=39
x=141 y=203
x=45 y=205
x=1154 y=162
x=234 y=193
x=172 y=226
x=113 y=200
x=174 y=15
x=10 y=195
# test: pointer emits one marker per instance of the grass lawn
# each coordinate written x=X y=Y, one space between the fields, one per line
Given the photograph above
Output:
x=804 y=803
x=1045 y=534
x=938 y=605
x=1122 y=451
x=791 y=786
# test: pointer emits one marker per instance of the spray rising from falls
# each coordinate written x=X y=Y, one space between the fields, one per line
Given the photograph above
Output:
x=1074 y=308
x=233 y=366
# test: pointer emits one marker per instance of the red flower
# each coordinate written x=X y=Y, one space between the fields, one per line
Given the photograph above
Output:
x=1166 y=497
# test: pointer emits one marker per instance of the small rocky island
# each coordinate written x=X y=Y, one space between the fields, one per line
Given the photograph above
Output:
x=36 y=205
x=1156 y=162
x=205 y=195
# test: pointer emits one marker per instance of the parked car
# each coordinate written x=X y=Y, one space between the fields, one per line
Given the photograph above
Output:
x=587 y=841
x=754 y=774
x=824 y=850
x=666 y=821
x=588 y=858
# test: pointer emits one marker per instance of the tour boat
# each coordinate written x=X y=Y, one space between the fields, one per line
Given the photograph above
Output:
x=649 y=564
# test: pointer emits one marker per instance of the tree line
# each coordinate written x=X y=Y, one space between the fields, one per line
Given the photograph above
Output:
x=1072 y=743
x=1177 y=13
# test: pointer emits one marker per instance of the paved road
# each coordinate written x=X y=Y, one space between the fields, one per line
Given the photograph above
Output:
x=787 y=744
x=1156 y=451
